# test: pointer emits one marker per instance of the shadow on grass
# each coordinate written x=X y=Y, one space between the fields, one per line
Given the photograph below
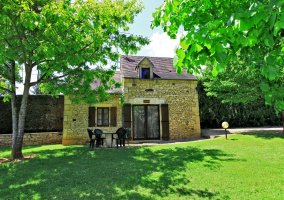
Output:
x=130 y=173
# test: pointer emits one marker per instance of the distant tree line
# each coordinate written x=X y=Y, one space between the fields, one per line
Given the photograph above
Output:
x=213 y=112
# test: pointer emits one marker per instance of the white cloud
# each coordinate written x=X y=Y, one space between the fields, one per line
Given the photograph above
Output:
x=161 y=45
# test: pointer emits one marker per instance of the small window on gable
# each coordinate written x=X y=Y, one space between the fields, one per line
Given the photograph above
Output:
x=145 y=68
x=145 y=73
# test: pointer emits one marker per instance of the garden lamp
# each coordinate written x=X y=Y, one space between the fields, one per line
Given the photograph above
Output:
x=225 y=125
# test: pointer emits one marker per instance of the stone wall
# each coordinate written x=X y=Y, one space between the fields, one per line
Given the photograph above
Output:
x=34 y=138
x=44 y=114
x=180 y=95
x=76 y=120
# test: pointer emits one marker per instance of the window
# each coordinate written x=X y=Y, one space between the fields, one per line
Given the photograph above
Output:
x=103 y=116
x=145 y=73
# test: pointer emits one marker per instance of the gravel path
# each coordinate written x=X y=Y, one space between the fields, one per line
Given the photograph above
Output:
x=211 y=133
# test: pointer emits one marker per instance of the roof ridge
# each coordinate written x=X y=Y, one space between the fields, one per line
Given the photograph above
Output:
x=147 y=56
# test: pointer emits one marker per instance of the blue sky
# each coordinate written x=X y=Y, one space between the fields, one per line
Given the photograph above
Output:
x=161 y=44
x=142 y=22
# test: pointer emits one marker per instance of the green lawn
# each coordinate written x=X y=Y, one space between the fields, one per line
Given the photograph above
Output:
x=243 y=167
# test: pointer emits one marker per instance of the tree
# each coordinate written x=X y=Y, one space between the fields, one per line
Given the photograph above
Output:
x=233 y=84
x=238 y=88
x=214 y=109
x=68 y=42
x=220 y=34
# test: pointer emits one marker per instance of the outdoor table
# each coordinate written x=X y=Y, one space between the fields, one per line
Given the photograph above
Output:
x=109 y=138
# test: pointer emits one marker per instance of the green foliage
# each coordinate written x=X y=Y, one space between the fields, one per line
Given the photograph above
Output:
x=235 y=104
x=68 y=42
x=223 y=33
x=237 y=83
x=122 y=99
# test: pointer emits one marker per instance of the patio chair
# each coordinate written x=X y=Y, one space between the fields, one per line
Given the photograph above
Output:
x=121 y=137
x=99 y=139
x=92 y=141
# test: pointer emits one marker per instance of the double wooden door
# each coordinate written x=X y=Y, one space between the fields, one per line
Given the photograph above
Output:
x=146 y=122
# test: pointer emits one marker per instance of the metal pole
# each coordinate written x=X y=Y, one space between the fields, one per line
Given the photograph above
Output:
x=283 y=120
x=226 y=133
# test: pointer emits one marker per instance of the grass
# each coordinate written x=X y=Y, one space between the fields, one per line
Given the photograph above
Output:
x=243 y=167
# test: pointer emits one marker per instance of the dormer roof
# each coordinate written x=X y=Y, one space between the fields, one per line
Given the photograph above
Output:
x=139 y=63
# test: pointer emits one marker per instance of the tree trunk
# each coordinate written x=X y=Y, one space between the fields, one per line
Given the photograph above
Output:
x=16 y=149
x=19 y=124
x=19 y=136
x=16 y=152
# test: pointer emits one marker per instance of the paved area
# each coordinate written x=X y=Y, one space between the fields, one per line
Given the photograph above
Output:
x=208 y=134
x=212 y=133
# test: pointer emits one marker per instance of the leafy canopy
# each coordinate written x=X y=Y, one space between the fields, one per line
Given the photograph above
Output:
x=235 y=84
x=226 y=33
x=68 y=42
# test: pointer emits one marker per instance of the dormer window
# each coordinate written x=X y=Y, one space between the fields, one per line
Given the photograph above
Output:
x=145 y=69
x=145 y=73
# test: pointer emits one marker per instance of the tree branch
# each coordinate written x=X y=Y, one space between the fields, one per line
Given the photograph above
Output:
x=65 y=53
x=8 y=42
x=19 y=36
x=39 y=80
x=43 y=80
x=6 y=73
x=42 y=61
x=48 y=80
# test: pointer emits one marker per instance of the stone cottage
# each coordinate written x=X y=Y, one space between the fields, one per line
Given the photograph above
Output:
x=158 y=104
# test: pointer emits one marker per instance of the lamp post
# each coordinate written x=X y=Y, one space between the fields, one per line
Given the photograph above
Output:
x=283 y=120
x=225 y=125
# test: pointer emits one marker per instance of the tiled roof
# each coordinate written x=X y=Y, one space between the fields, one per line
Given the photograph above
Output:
x=163 y=67
x=116 y=77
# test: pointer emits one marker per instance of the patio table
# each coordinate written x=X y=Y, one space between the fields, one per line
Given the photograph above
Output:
x=109 y=138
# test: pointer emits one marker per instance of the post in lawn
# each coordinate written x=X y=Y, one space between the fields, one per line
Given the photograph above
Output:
x=283 y=120
x=225 y=125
